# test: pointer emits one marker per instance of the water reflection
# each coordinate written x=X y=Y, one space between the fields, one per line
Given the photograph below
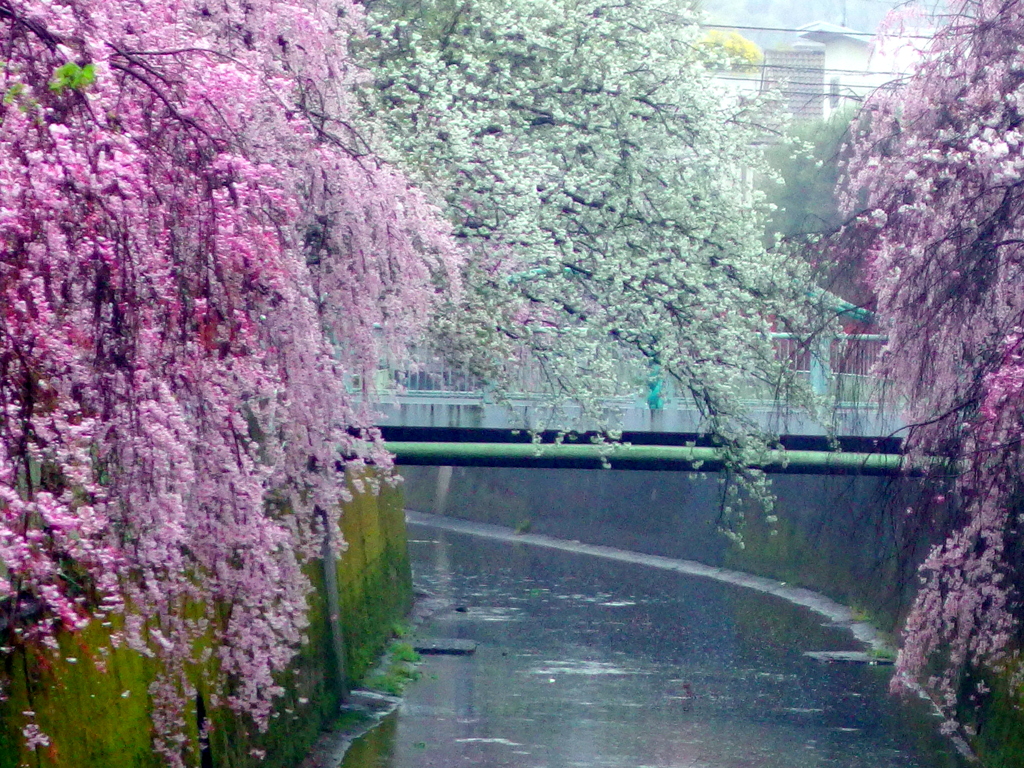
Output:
x=584 y=662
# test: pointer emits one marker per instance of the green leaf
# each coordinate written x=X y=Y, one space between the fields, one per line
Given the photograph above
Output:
x=72 y=76
x=13 y=93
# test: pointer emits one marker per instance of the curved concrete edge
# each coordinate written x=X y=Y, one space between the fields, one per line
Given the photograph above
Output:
x=835 y=612
x=330 y=749
x=332 y=746
x=831 y=610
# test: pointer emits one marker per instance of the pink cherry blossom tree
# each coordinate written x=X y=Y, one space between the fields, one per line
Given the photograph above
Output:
x=938 y=167
x=198 y=252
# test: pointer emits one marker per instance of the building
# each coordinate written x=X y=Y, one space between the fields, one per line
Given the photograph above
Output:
x=830 y=67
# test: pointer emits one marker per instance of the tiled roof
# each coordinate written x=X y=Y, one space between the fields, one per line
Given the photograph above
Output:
x=800 y=75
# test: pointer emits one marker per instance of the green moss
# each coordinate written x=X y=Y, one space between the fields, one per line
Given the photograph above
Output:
x=89 y=714
x=405 y=652
x=883 y=654
x=396 y=670
x=401 y=629
x=99 y=719
x=373 y=592
x=392 y=682
x=1000 y=724
x=392 y=678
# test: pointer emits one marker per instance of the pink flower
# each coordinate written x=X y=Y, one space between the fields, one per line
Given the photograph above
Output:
x=189 y=271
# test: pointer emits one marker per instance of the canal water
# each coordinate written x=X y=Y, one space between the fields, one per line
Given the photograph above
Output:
x=588 y=662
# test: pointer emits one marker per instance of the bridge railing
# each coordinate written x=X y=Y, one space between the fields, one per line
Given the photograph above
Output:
x=840 y=367
x=425 y=373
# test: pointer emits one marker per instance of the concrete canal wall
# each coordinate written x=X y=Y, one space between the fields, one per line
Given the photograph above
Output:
x=847 y=537
x=843 y=536
x=100 y=719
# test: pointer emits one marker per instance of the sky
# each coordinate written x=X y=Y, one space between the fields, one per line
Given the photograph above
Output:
x=862 y=15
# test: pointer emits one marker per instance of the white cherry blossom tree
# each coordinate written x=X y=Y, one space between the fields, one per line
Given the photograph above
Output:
x=602 y=180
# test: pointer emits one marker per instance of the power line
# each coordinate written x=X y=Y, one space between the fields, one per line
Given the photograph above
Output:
x=824 y=69
x=823 y=95
x=797 y=29
x=781 y=83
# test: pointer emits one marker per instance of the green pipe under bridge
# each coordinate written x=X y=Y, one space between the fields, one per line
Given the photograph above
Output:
x=685 y=458
x=432 y=411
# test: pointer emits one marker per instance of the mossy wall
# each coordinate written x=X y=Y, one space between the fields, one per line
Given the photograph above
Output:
x=101 y=719
x=996 y=717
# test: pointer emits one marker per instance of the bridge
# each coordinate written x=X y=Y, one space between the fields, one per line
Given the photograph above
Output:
x=438 y=414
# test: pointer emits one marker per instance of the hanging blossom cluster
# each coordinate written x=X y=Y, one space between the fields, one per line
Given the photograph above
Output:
x=599 y=177
x=196 y=253
x=939 y=163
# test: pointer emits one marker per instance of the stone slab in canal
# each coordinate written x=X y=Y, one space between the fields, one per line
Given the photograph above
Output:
x=444 y=646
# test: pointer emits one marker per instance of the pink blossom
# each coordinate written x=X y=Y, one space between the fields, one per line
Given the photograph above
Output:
x=192 y=262
x=939 y=163
x=34 y=738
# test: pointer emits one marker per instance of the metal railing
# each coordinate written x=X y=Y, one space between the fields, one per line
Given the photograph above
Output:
x=839 y=367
